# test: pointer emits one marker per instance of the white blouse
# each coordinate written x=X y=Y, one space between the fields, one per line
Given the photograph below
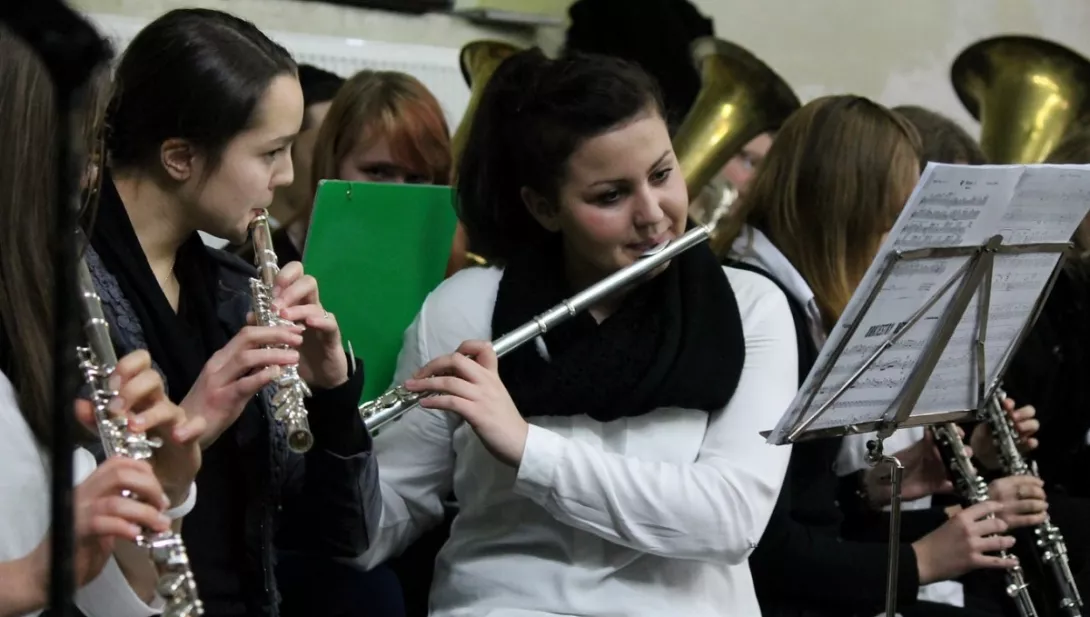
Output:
x=649 y=515
x=25 y=512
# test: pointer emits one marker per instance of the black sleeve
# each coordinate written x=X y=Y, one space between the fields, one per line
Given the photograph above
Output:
x=335 y=418
x=915 y=524
x=809 y=566
x=331 y=501
x=863 y=524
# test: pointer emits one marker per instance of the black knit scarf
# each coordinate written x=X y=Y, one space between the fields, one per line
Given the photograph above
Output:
x=180 y=343
x=676 y=341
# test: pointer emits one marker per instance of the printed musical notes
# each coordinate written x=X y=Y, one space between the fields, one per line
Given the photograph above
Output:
x=952 y=206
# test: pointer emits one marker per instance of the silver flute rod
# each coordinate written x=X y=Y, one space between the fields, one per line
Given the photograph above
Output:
x=395 y=402
x=98 y=359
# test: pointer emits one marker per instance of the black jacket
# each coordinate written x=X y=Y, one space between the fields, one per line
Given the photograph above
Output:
x=319 y=502
x=1050 y=372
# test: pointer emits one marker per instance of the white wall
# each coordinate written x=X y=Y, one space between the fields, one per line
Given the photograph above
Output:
x=897 y=52
x=322 y=19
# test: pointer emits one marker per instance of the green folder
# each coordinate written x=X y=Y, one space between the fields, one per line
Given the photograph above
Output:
x=377 y=250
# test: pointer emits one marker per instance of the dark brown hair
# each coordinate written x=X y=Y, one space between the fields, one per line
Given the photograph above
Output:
x=533 y=114
x=27 y=218
x=194 y=74
x=943 y=140
x=319 y=86
x=833 y=182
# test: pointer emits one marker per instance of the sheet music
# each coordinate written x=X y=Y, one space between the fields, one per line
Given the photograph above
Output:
x=951 y=206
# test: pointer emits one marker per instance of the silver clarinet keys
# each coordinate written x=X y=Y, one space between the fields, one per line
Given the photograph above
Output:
x=289 y=397
x=291 y=391
x=974 y=490
x=388 y=407
x=1048 y=541
x=175 y=584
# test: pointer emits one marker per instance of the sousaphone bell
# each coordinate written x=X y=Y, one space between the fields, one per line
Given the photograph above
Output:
x=1027 y=93
x=740 y=98
x=478 y=60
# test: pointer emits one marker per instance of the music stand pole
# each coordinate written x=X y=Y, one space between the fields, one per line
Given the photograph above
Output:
x=71 y=49
x=875 y=457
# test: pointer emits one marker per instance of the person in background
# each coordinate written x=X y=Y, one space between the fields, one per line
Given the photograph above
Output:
x=1044 y=372
x=98 y=96
x=832 y=186
x=114 y=578
x=944 y=141
x=319 y=88
x=741 y=167
x=201 y=122
x=382 y=126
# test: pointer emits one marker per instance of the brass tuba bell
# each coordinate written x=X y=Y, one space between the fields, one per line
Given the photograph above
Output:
x=1027 y=93
x=479 y=60
x=740 y=98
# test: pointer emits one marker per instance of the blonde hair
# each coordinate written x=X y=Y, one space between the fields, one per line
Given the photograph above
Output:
x=834 y=180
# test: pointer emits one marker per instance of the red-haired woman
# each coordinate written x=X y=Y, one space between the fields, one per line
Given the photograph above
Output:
x=383 y=126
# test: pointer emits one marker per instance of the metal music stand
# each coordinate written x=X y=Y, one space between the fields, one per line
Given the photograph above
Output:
x=71 y=50
x=972 y=277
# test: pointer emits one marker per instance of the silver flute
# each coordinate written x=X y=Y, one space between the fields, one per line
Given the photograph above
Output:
x=290 y=390
x=396 y=401
x=1049 y=542
x=974 y=489
x=176 y=584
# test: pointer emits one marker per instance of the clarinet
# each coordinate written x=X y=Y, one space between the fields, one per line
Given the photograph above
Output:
x=290 y=391
x=397 y=401
x=1048 y=540
x=974 y=490
x=97 y=360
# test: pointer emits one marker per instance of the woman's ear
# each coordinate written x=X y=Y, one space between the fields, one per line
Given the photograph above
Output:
x=178 y=159
x=540 y=208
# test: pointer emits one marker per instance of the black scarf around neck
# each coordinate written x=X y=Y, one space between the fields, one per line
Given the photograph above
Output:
x=180 y=343
x=675 y=341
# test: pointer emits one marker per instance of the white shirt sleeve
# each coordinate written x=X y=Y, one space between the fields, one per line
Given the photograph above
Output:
x=24 y=512
x=109 y=595
x=416 y=462
x=714 y=508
